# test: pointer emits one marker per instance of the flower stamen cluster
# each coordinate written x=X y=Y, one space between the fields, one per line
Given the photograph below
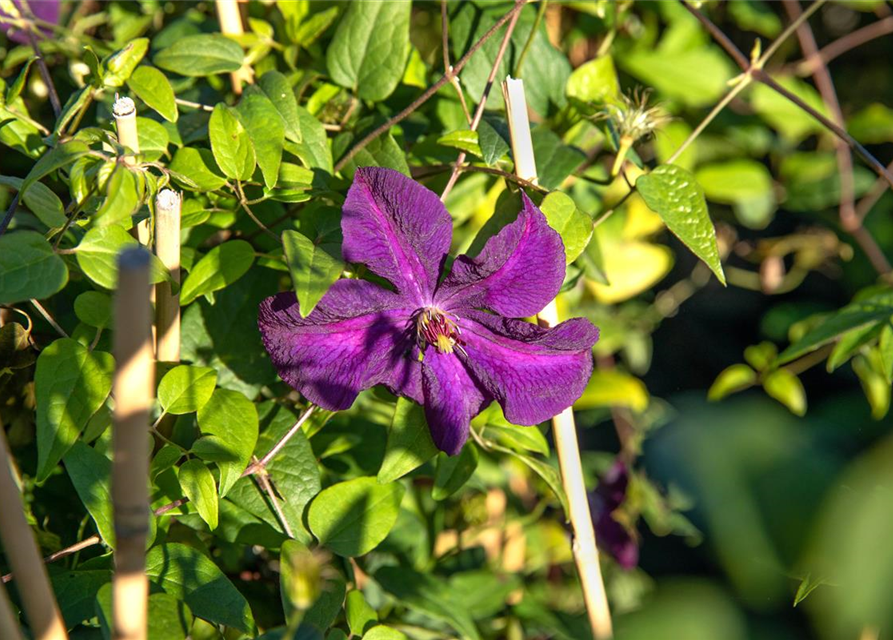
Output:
x=436 y=328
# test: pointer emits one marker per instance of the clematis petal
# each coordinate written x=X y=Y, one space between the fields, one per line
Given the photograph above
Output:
x=517 y=273
x=452 y=399
x=534 y=373
x=355 y=338
x=398 y=228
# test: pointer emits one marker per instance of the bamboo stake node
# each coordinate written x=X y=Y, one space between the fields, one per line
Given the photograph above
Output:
x=124 y=111
x=23 y=555
x=133 y=391
x=167 y=248
x=564 y=429
x=230 y=19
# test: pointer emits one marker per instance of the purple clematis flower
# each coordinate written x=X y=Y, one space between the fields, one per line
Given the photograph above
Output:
x=432 y=341
x=46 y=10
x=611 y=535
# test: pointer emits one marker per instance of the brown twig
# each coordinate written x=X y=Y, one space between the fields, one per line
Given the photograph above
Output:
x=46 y=316
x=479 y=112
x=23 y=556
x=434 y=169
x=44 y=71
x=263 y=479
x=263 y=462
x=850 y=222
x=843 y=44
x=878 y=189
x=429 y=92
x=133 y=391
x=447 y=67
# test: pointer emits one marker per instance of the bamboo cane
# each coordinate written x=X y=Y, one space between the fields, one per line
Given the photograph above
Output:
x=231 y=25
x=167 y=303
x=563 y=427
x=9 y=625
x=124 y=111
x=24 y=558
x=133 y=388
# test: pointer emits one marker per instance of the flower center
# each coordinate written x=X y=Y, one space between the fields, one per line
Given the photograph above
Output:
x=436 y=328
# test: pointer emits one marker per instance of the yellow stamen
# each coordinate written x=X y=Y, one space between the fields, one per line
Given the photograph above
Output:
x=444 y=344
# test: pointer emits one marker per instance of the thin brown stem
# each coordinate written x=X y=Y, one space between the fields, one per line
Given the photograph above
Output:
x=244 y=202
x=263 y=479
x=447 y=67
x=848 y=218
x=263 y=462
x=44 y=71
x=433 y=89
x=845 y=43
x=878 y=189
x=423 y=172
x=479 y=112
x=46 y=316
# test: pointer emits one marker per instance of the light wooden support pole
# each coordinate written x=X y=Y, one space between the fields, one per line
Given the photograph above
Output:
x=9 y=625
x=231 y=25
x=133 y=387
x=24 y=557
x=564 y=429
x=124 y=111
x=167 y=248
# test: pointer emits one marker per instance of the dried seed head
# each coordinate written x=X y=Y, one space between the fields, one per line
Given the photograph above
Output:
x=633 y=118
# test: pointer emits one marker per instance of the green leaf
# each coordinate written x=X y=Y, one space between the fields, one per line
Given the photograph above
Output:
x=230 y=144
x=696 y=76
x=370 y=48
x=123 y=196
x=294 y=472
x=61 y=155
x=429 y=595
x=91 y=473
x=885 y=348
x=382 y=632
x=70 y=384
x=198 y=485
x=574 y=226
x=409 y=442
x=153 y=138
x=120 y=65
x=744 y=183
x=267 y=131
x=872 y=125
x=152 y=87
x=785 y=387
x=675 y=195
x=594 y=81
x=201 y=55
x=784 y=116
x=197 y=169
x=612 y=388
x=186 y=388
x=463 y=139
x=322 y=614
x=314 y=150
x=230 y=419
x=279 y=91
x=850 y=344
x=97 y=256
x=518 y=438
x=869 y=310
x=493 y=136
x=732 y=379
x=219 y=268
x=41 y=200
x=381 y=152
x=874 y=384
x=360 y=616
x=187 y=575
x=76 y=592
x=18 y=84
x=807 y=586
x=313 y=268
x=555 y=161
x=29 y=268
x=454 y=471
x=351 y=518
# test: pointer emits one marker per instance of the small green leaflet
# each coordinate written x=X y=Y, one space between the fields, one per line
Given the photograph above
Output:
x=675 y=195
x=409 y=442
x=219 y=268
x=454 y=471
x=574 y=226
x=90 y=473
x=70 y=384
x=313 y=269
x=29 y=268
x=279 y=91
x=230 y=144
x=351 y=518
x=201 y=55
x=120 y=65
x=186 y=388
x=198 y=485
x=98 y=251
x=152 y=87
x=267 y=132
x=371 y=48
x=229 y=425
